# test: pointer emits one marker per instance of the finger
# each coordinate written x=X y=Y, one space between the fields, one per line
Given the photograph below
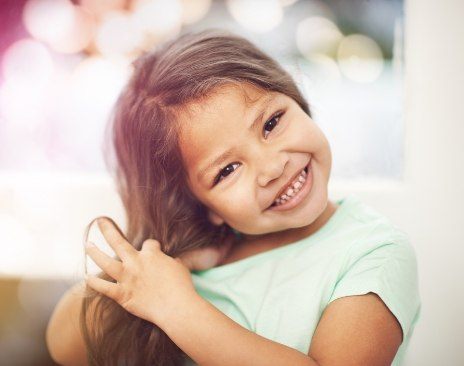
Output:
x=115 y=239
x=151 y=245
x=106 y=288
x=109 y=265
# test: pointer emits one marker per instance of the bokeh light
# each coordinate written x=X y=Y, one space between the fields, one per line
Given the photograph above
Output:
x=100 y=8
x=17 y=66
x=23 y=94
x=78 y=34
x=93 y=88
x=66 y=28
x=258 y=16
x=317 y=35
x=46 y=20
x=118 y=34
x=194 y=10
x=95 y=84
x=360 y=58
x=158 y=19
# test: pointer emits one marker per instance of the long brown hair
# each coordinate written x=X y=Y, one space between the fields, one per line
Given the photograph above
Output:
x=145 y=159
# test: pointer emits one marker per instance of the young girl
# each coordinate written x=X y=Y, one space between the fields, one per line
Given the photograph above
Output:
x=233 y=254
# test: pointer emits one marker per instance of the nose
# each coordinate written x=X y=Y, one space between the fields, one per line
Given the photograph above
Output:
x=272 y=169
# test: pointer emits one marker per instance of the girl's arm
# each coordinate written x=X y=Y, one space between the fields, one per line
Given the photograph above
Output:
x=353 y=331
x=210 y=337
x=63 y=336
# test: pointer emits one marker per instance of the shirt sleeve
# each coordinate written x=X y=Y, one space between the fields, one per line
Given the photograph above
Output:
x=390 y=271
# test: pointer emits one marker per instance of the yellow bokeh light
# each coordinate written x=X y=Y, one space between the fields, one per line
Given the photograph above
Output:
x=360 y=58
x=194 y=10
x=317 y=35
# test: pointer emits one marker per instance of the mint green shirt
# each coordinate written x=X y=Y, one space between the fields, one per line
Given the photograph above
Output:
x=280 y=294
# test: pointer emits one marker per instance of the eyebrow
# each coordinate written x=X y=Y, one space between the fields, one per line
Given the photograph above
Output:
x=228 y=153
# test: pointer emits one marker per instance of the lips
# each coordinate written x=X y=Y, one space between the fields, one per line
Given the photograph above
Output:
x=289 y=183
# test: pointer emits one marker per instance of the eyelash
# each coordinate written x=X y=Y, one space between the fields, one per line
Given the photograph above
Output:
x=276 y=116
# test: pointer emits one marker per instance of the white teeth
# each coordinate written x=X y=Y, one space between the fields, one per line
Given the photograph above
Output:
x=293 y=189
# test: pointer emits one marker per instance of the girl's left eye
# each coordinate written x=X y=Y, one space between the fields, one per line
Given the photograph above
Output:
x=270 y=124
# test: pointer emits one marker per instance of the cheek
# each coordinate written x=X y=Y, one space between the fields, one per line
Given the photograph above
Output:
x=300 y=129
x=237 y=203
x=237 y=208
x=311 y=135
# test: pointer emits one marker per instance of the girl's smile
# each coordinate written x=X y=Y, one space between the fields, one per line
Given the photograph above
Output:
x=293 y=193
x=245 y=151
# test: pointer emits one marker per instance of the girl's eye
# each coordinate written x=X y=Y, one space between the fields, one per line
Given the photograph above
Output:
x=272 y=122
x=224 y=172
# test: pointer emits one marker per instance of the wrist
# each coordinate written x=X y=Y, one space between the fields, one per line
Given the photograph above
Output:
x=177 y=312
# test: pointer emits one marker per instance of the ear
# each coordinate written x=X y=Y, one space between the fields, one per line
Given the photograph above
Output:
x=215 y=218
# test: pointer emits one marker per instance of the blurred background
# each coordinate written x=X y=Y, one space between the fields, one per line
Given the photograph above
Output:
x=370 y=70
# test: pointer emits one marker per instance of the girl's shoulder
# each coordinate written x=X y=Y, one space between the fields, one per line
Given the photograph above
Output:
x=379 y=258
x=366 y=224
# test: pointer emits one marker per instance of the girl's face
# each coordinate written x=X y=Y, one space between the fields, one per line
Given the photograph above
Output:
x=261 y=159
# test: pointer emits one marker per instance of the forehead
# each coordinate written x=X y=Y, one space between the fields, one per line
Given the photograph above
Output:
x=207 y=126
x=237 y=97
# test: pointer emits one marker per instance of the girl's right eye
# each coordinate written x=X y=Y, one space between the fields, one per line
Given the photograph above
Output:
x=224 y=173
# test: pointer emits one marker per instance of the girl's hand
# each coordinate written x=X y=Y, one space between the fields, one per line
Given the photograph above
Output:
x=150 y=284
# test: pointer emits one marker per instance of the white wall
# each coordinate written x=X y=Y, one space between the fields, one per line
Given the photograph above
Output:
x=429 y=204
x=430 y=207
